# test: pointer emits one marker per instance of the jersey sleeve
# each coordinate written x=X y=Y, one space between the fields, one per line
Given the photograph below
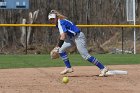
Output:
x=61 y=27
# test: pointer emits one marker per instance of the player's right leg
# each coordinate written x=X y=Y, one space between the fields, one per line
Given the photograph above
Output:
x=67 y=44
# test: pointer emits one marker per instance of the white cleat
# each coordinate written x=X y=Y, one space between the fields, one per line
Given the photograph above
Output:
x=66 y=70
x=103 y=72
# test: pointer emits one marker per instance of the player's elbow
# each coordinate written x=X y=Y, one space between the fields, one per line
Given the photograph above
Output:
x=63 y=36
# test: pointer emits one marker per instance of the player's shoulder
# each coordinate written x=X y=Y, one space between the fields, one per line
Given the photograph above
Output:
x=63 y=21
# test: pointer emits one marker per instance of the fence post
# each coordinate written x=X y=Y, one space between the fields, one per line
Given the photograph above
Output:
x=122 y=40
x=26 y=40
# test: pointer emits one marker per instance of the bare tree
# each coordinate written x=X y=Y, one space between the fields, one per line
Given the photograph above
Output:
x=79 y=11
x=30 y=30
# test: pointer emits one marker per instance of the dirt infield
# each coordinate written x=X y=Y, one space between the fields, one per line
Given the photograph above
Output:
x=83 y=80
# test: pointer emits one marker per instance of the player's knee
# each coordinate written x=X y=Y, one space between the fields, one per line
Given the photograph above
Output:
x=86 y=57
x=61 y=51
x=63 y=56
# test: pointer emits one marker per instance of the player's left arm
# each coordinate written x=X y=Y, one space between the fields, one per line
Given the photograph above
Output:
x=62 y=29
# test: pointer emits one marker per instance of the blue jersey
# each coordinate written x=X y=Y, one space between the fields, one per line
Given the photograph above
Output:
x=66 y=26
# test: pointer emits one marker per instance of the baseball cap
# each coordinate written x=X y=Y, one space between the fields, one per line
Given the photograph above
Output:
x=51 y=16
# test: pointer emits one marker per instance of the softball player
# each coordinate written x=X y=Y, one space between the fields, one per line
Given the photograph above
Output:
x=70 y=34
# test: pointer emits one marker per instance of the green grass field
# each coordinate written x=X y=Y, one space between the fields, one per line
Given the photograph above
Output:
x=31 y=61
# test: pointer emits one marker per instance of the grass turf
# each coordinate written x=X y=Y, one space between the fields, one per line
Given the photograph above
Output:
x=32 y=61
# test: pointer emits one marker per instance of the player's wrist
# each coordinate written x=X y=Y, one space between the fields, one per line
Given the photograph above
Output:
x=60 y=43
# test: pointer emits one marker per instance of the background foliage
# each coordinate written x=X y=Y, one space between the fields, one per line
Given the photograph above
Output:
x=99 y=40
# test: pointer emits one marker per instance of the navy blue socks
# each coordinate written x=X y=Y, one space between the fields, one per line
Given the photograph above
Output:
x=96 y=62
x=64 y=57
